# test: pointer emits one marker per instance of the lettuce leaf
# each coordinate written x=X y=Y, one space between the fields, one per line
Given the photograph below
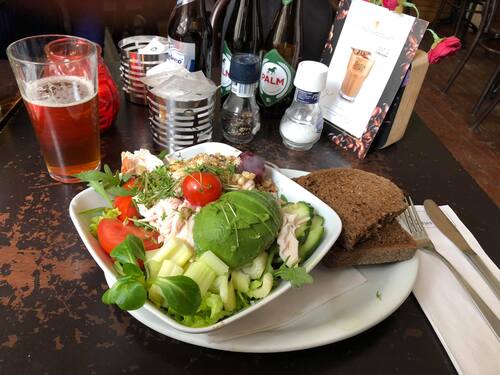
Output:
x=108 y=213
x=210 y=312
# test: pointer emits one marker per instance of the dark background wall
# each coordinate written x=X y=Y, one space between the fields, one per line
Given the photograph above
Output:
x=89 y=18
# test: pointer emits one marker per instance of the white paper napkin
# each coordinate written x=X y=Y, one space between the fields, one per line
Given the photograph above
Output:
x=327 y=285
x=154 y=47
x=469 y=341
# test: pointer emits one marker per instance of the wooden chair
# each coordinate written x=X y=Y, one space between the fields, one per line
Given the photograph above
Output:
x=484 y=35
x=461 y=14
x=491 y=89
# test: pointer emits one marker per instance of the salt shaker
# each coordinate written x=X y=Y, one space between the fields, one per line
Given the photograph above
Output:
x=302 y=122
x=240 y=113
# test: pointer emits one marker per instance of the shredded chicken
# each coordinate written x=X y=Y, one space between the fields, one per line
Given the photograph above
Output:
x=139 y=162
x=171 y=217
x=287 y=242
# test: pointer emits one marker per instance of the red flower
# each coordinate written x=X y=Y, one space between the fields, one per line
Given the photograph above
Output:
x=442 y=48
x=390 y=4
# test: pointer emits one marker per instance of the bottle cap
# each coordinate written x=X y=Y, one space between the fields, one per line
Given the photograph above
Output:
x=311 y=76
x=245 y=68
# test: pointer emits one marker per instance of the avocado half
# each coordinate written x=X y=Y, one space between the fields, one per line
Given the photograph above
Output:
x=238 y=226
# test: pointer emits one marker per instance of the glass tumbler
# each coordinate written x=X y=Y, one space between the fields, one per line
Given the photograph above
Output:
x=60 y=96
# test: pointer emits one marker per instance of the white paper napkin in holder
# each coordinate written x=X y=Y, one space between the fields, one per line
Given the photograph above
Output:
x=467 y=338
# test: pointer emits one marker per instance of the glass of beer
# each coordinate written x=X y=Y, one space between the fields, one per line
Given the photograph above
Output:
x=359 y=66
x=60 y=95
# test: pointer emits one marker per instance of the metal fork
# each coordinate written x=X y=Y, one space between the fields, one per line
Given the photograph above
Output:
x=417 y=230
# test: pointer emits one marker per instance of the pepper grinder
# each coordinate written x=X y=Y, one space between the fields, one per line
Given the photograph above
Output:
x=240 y=113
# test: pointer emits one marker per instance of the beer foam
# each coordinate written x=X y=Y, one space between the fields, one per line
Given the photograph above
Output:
x=59 y=91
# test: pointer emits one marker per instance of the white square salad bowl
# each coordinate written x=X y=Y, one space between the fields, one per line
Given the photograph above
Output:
x=89 y=199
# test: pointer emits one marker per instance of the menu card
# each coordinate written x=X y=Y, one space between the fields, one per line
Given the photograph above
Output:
x=368 y=51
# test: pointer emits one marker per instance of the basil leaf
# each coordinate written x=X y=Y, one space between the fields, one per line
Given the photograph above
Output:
x=98 y=211
x=88 y=176
x=108 y=297
x=131 y=249
x=107 y=170
x=296 y=275
x=118 y=268
x=181 y=293
x=121 y=191
x=111 y=179
x=133 y=270
x=127 y=293
x=125 y=177
x=99 y=188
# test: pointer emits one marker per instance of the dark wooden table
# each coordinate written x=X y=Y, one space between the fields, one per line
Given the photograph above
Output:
x=54 y=323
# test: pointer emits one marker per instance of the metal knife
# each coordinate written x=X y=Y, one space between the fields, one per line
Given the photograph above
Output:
x=449 y=230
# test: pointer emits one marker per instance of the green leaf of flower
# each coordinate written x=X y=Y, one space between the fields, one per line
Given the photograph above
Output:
x=131 y=249
x=133 y=270
x=181 y=293
x=88 y=176
x=127 y=293
x=119 y=191
x=99 y=188
x=296 y=275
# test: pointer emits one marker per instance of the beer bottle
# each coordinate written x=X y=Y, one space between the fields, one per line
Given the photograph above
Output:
x=190 y=35
x=243 y=35
x=282 y=52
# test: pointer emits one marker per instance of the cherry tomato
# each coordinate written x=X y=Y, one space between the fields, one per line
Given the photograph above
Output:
x=126 y=206
x=201 y=188
x=112 y=232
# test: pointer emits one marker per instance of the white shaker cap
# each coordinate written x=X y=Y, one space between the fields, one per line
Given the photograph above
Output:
x=311 y=76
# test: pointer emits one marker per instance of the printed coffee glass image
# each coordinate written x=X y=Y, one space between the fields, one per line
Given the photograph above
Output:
x=359 y=66
x=57 y=78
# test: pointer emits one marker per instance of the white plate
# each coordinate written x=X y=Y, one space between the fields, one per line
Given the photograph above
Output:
x=345 y=316
x=89 y=199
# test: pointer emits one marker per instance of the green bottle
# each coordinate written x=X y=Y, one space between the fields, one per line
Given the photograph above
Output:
x=281 y=56
x=243 y=35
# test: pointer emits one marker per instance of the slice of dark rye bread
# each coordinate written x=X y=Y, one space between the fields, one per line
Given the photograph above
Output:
x=391 y=244
x=363 y=200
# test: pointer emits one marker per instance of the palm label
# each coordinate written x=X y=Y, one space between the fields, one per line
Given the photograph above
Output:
x=226 y=64
x=275 y=79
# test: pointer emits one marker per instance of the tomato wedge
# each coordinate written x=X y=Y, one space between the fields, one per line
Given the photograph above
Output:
x=126 y=206
x=130 y=184
x=112 y=232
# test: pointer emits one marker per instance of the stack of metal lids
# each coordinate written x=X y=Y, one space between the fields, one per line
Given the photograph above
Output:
x=134 y=65
x=179 y=124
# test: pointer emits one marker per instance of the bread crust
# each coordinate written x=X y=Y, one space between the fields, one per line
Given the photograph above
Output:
x=364 y=201
x=391 y=244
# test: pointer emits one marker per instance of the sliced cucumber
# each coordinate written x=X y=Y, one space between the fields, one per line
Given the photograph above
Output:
x=313 y=238
x=304 y=213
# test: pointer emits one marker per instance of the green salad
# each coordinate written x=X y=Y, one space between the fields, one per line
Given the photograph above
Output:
x=201 y=238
